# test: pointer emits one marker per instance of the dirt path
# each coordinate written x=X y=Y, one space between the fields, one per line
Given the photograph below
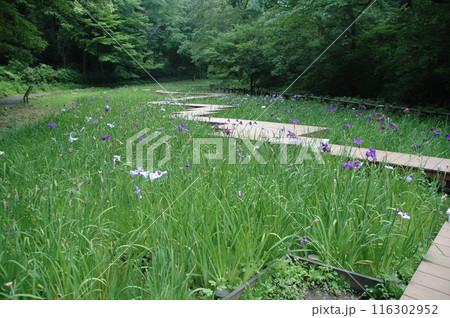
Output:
x=13 y=100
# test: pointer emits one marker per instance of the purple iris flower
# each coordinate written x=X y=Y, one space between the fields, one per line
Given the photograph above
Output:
x=240 y=194
x=271 y=115
x=187 y=164
x=383 y=127
x=426 y=139
x=358 y=141
x=290 y=134
x=393 y=126
x=437 y=134
x=227 y=131
x=348 y=165
x=325 y=147
x=293 y=120
x=433 y=128
x=287 y=111
x=347 y=126
x=105 y=137
x=136 y=189
x=417 y=147
x=53 y=125
x=377 y=114
x=447 y=136
x=406 y=110
x=357 y=114
x=304 y=240
x=141 y=139
x=409 y=179
x=351 y=165
x=138 y=171
x=182 y=127
x=107 y=109
x=372 y=154
x=381 y=119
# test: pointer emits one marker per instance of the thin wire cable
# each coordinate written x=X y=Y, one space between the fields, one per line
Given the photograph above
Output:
x=118 y=43
x=320 y=55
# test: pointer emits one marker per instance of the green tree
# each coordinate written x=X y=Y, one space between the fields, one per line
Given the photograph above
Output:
x=18 y=37
x=240 y=53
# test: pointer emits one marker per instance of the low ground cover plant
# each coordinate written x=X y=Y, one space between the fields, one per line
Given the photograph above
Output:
x=288 y=279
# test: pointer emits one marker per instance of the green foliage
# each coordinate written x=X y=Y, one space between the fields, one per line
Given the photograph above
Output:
x=415 y=134
x=395 y=52
x=240 y=53
x=18 y=37
x=42 y=73
x=15 y=78
x=74 y=228
x=291 y=280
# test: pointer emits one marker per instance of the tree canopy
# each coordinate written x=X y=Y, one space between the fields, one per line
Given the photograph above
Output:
x=397 y=50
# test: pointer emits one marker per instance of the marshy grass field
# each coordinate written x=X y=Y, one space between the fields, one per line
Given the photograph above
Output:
x=77 y=222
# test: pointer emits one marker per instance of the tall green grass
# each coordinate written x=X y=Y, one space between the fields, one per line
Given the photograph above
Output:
x=74 y=228
x=410 y=137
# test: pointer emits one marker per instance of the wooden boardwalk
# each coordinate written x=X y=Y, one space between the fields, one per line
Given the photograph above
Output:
x=276 y=133
x=432 y=278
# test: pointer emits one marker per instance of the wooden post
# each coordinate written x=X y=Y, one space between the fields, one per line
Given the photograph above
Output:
x=25 y=97
x=386 y=107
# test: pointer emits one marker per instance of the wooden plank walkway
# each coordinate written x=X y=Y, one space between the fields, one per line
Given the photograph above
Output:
x=432 y=278
x=276 y=133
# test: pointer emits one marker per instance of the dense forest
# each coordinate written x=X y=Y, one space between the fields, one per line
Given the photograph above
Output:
x=398 y=50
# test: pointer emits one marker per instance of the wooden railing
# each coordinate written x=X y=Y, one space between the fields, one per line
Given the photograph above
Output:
x=387 y=107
